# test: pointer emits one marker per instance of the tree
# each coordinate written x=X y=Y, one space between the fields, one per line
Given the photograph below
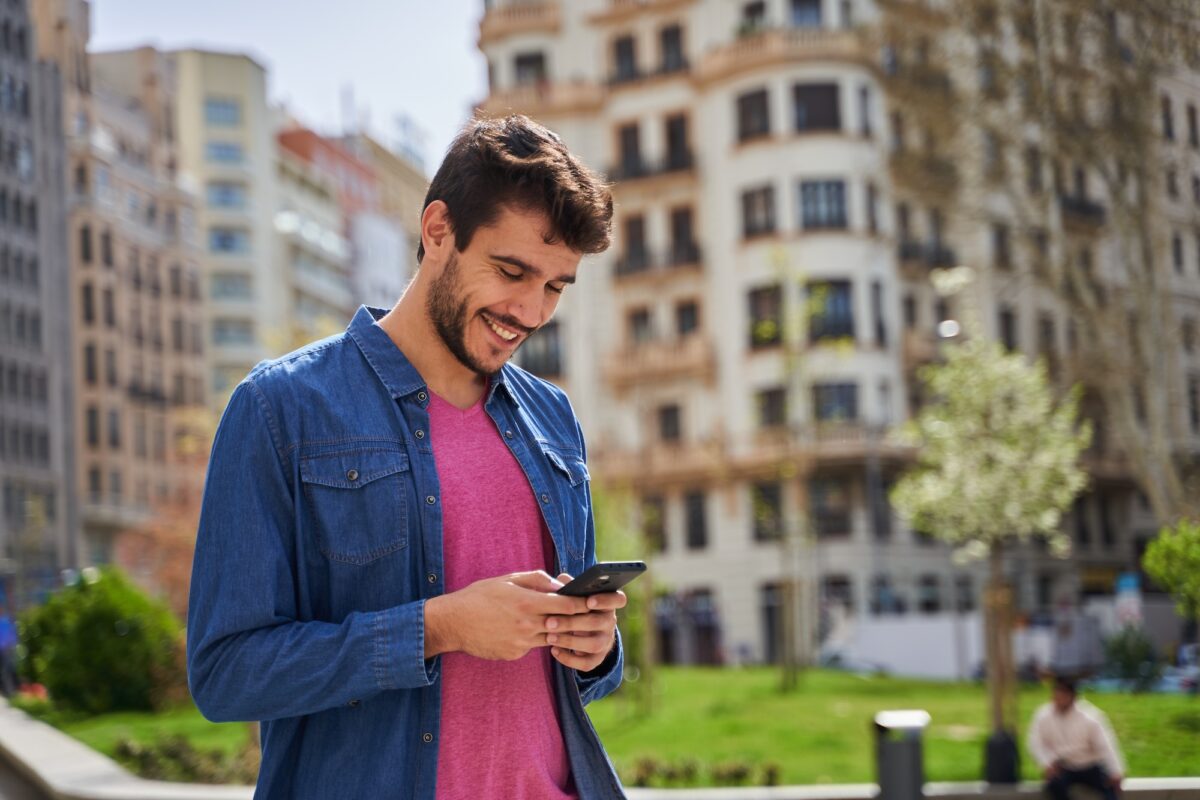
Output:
x=998 y=463
x=1173 y=561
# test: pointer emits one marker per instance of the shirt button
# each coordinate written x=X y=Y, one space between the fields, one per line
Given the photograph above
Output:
x=427 y=738
x=352 y=475
x=420 y=434
x=430 y=499
x=508 y=434
x=431 y=578
x=422 y=396
x=354 y=703
x=545 y=498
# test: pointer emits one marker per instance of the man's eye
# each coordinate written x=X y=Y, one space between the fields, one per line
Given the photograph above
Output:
x=555 y=289
x=515 y=276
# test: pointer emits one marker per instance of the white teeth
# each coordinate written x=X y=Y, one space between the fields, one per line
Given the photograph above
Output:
x=503 y=333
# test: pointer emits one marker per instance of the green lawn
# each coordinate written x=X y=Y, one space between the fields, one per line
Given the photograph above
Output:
x=819 y=734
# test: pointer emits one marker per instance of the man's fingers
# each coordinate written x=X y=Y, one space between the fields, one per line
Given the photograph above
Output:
x=608 y=601
x=580 y=643
x=537 y=580
x=574 y=661
x=591 y=621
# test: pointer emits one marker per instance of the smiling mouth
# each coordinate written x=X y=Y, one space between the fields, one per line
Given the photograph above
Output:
x=504 y=333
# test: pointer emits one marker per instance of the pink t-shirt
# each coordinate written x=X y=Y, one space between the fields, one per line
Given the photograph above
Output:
x=500 y=734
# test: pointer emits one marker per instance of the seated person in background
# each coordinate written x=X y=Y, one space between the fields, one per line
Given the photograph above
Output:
x=1073 y=743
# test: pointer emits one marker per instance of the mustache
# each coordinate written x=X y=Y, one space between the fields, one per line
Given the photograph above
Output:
x=510 y=323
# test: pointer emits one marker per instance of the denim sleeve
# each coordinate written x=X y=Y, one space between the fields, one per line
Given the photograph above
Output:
x=604 y=679
x=250 y=656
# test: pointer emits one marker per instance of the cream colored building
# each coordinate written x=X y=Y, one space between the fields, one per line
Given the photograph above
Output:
x=225 y=141
x=138 y=344
x=738 y=355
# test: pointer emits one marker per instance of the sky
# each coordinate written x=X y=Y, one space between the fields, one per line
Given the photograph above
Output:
x=401 y=57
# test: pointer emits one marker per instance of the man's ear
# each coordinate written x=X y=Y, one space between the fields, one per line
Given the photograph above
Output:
x=437 y=234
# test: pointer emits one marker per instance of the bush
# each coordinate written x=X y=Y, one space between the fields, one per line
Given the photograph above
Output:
x=102 y=645
x=174 y=758
x=1131 y=656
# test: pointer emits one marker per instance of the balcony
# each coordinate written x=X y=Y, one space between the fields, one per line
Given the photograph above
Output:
x=924 y=173
x=928 y=12
x=513 y=18
x=827 y=443
x=543 y=99
x=618 y=11
x=681 y=257
x=932 y=255
x=659 y=463
x=1081 y=213
x=780 y=46
x=632 y=169
x=661 y=361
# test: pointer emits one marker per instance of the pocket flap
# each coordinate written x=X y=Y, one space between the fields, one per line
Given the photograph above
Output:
x=569 y=463
x=353 y=469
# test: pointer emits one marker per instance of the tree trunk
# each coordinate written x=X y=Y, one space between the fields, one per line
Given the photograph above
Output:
x=1001 y=674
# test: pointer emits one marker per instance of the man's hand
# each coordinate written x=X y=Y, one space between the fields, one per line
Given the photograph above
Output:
x=1115 y=781
x=500 y=619
x=583 y=640
x=1050 y=772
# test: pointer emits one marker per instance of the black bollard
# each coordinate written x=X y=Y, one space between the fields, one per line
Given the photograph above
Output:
x=899 y=762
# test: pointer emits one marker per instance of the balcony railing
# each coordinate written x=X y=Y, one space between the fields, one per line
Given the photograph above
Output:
x=1081 y=210
x=519 y=17
x=636 y=169
x=543 y=99
x=780 y=46
x=654 y=361
x=643 y=262
x=933 y=254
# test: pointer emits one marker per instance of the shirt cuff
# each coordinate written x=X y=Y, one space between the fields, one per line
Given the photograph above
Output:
x=399 y=659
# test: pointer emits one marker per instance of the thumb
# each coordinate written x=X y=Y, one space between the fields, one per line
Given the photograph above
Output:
x=537 y=581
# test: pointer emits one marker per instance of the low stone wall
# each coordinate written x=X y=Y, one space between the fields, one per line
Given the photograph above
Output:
x=65 y=769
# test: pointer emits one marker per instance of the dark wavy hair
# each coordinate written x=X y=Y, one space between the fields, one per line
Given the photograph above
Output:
x=515 y=162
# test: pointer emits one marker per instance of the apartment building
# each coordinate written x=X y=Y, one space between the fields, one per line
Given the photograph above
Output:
x=38 y=512
x=137 y=340
x=739 y=355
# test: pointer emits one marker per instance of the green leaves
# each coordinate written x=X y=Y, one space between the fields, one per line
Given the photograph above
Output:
x=1173 y=561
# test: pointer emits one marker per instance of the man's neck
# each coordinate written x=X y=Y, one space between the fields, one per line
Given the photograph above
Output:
x=411 y=330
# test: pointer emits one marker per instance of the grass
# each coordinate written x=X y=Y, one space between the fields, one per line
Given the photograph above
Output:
x=821 y=733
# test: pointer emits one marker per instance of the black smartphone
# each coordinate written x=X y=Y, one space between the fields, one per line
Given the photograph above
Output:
x=606 y=576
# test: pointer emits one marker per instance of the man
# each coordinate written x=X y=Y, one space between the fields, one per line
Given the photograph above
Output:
x=384 y=509
x=1072 y=742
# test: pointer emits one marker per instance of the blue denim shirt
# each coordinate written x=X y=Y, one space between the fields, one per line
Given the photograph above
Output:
x=320 y=541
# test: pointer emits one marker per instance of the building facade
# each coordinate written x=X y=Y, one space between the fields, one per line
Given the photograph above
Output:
x=740 y=354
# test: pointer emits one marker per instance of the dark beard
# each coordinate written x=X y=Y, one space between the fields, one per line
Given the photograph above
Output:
x=448 y=311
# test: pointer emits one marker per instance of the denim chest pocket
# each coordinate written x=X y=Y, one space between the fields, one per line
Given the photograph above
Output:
x=356 y=501
x=569 y=475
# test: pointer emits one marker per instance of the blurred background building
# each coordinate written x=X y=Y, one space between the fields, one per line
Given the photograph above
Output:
x=787 y=173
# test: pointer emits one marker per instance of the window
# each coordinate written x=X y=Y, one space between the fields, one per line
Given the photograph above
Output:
x=92 y=426
x=964 y=594
x=754 y=17
x=822 y=205
x=654 y=527
x=641 y=326
x=834 y=402
x=624 y=59
x=636 y=257
x=929 y=594
x=106 y=248
x=109 y=308
x=1188 y=328
x=766 y=316
x=1033 y=170
x=687 y=318
x=669 y=424
x=1194 y=402
x=679 y=155
x=881 y=336
x=232 y=332
x=864 y=112
x=872 y=208
x=671 y=45
x=753 y=115
x=697 y=522
x=816 y=107
x=629 y=142
x=94 y=488
x=1168 y=119
x=230 y=286
x=884 y=599
x=772 y=407
x=88 y=302
x=1193 y=127
x=114 y=487
x=530 y=68
x=831 y=312
x=766 y=506
x=114 y=429
x=1172 y=184
x=228 y=240
x=223 y=152
x=110 y=368
x=806 y=13
x=89 y=364
x=542 y=352
x=837 y=590
x=1001 y=250
x=222 y=111
x=1177 y=252
x=1008 y=327
x=683 y=238
x=829 y=500
x=222 y=194
x=758 y=212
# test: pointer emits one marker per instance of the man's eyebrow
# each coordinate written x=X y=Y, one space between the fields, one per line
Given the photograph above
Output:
x=530 y=268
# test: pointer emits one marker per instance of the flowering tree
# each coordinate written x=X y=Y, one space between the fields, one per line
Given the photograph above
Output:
x=998 y=462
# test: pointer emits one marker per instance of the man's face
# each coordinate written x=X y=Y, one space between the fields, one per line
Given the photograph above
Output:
x=489 y=298
x=1063 y=698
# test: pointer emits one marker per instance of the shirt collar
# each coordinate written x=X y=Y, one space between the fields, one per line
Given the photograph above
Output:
x=392 y=367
